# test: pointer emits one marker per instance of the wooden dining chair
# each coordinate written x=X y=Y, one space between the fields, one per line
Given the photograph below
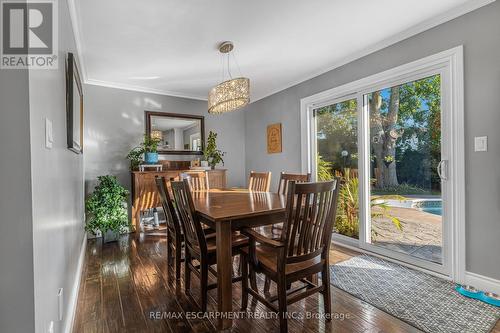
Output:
x=283 y=184
x=198 y=245
x=259 y=181
x=198 y=181
x=175 y=236
x=302 y=250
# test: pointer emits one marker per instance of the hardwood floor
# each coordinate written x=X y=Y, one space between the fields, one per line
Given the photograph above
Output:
x=127 y=286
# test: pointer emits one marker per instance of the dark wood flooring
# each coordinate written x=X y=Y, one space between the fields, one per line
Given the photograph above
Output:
x=127 y=286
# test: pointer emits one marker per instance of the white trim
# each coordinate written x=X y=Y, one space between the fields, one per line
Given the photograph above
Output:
x=402 y=263
x=458 y=158
x=71 y=310
x=449 y=64
x=345 y=241
x=482 y=282
x=143 y=89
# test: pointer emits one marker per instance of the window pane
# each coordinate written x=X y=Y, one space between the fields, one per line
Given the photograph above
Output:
x=405 y=148
x=337 y=155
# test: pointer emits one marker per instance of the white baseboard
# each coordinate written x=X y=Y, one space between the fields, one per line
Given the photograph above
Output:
x=482 y=282
x=71 y=310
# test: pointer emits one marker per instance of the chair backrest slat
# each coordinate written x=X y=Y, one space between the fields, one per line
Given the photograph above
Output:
x=286 y=178
x=171 y=215
x=259 y=181
x=310 y=213
x=198 y=180
x=194 y=237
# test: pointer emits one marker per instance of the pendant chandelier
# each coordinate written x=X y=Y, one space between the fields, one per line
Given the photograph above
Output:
x=231 y=94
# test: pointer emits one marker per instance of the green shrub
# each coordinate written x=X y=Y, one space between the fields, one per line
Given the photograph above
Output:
x=347 y=220
x=106 y=209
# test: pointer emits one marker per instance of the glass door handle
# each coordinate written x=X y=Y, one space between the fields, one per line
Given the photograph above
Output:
x=441 y=170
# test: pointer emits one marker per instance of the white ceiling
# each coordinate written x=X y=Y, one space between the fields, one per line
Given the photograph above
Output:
x=170 y=47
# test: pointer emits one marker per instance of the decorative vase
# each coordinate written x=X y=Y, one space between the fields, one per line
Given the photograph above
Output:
x=151 y=158
x=110 y=236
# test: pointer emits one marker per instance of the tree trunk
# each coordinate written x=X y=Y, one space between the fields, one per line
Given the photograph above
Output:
x=377 y=137
x=391 y=136
x=383 y=135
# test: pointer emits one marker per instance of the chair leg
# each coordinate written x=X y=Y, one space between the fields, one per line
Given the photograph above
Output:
x=253 y=279
x=244 y=283
x=282 y=308
x=178 y=250
x=325 y=277
x=204 y=285
x=267 y=285
x=169 y=247
x=187 y=271
x=240 y=265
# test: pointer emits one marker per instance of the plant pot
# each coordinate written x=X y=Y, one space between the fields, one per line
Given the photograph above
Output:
x=151 y=158
x=204 y=164
x=110 y=236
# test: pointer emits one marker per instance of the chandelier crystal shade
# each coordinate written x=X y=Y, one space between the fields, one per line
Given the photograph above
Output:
x=231 y=94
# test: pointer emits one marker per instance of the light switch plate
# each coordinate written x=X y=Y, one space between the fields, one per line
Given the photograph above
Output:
x=49 y=138
x=481 y=143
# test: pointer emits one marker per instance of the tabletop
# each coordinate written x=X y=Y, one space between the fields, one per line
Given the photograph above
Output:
x=231 y=204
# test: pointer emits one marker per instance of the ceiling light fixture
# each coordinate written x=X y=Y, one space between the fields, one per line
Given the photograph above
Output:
x=231 y=94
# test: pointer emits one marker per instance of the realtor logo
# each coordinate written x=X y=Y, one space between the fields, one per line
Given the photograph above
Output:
x=29 y=34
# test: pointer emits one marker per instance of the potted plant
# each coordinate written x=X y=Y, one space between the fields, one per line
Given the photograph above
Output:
x=213 y=155
x=106 y=209
x=150 y=149
x=135 y=157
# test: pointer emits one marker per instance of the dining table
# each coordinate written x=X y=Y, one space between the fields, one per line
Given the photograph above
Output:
x=227 y=210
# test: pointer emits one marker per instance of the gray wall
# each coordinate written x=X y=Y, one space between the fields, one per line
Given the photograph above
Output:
x=479 y=32
x=16 y=244
x=57 y=185
x=114 y=123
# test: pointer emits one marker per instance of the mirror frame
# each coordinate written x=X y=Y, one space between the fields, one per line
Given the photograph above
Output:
x=149 y=114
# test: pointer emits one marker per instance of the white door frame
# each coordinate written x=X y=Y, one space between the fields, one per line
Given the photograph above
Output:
x=449 y=64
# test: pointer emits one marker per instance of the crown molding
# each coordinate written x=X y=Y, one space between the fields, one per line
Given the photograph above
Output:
x=405 y=34
x=123 y=86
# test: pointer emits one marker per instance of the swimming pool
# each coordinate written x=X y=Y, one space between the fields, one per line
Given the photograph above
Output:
x=430 y=206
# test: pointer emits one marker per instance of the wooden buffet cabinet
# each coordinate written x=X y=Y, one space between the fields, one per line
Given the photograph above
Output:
x=145 y=196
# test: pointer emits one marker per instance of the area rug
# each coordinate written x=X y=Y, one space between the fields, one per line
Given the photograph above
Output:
x=422 y=300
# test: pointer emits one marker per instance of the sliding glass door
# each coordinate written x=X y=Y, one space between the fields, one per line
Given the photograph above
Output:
x=404 y=154
x=387 y=143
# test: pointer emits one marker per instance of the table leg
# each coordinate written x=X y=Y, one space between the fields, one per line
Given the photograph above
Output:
x=224 y=271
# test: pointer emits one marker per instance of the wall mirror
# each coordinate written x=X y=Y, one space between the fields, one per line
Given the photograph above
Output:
x=178 y=133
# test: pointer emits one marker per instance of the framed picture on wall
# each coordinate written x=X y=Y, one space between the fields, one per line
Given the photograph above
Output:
x=74 y=106
x=274 y=139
